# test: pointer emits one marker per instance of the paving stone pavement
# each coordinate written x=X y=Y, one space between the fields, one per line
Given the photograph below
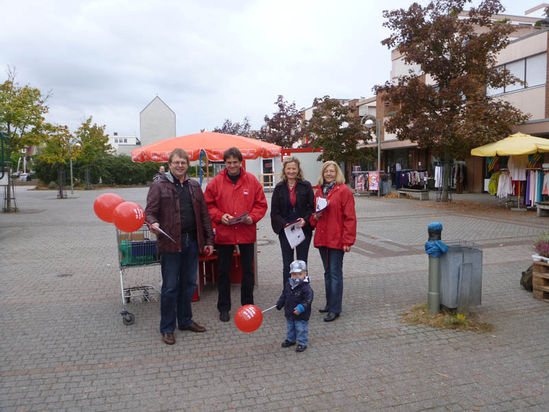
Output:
x=64 y=346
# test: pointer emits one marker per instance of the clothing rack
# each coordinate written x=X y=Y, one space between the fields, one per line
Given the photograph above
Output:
x=411 y=178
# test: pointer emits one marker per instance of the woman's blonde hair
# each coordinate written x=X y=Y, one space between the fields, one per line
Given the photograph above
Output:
x=339 y=175
x=295 y=160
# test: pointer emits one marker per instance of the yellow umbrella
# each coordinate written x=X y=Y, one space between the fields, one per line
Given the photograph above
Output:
x=516 y=144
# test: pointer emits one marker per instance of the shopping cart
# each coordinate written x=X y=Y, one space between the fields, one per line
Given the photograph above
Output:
x=136 y=249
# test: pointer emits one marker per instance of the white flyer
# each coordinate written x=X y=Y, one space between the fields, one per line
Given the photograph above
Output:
x=294 y=234
x=321 y=204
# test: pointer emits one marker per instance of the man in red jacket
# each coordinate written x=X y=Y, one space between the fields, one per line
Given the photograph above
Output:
x=235 y=193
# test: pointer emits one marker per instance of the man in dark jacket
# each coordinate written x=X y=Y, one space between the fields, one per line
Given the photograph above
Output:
x=176 y=205
x=297 y=298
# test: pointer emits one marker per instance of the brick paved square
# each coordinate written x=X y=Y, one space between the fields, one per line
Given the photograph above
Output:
x=64 y=345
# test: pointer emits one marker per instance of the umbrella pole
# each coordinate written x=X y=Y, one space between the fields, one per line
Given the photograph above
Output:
x=200 y=167
x=519 y=208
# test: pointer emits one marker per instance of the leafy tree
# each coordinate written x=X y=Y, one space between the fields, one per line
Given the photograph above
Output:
x=284 y=128
x=236 y=128
x=22 y=110
x=94 y=145
x=57 y=151
x=452 y=114
x=337 y=130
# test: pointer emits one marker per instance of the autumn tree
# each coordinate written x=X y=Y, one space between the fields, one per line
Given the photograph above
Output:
x=337 y=130
x=445 y=107
x=22 y=110
x=58 y=151
x=284 y=128
x=236 y=128
x=93 y=145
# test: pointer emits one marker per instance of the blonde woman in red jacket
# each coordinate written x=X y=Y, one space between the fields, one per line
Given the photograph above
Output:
x=335 y=233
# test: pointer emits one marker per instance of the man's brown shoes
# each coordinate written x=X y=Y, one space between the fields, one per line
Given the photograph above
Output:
x=194 y=327
x=168 y=338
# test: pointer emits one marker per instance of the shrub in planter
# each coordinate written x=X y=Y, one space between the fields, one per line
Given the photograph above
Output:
x=542 y=245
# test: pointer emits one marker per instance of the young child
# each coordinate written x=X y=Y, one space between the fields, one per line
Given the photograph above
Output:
x=297 y=297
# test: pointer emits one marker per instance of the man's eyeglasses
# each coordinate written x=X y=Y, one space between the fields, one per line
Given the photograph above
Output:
x=181 y=163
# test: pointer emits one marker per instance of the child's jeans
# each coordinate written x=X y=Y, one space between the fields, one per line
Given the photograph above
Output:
x=298 y=329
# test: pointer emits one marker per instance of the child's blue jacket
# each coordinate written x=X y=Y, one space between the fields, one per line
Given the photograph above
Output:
x=290 y=298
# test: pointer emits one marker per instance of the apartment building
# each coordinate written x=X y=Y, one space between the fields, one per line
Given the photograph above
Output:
x=525 y=57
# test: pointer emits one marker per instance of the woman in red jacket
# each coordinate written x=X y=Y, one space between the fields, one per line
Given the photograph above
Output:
x=335 y=233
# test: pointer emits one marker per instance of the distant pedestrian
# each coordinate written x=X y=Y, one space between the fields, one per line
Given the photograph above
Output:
x=292 y=201
x=335 y=233
x=236 y=202
x=296 y=299
x=161 y=172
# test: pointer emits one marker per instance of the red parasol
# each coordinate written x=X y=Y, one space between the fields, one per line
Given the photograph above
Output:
x=212 y=143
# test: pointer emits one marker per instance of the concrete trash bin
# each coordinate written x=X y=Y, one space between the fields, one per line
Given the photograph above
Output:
x=461 y=276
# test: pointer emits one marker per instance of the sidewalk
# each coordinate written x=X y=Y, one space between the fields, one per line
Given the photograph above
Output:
x=64 y=346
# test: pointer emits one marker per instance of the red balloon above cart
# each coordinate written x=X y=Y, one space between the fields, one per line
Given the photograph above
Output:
x=128 y=217
x=104 y=206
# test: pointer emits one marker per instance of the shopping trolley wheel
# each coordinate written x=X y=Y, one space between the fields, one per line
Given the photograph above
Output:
x=127 y=318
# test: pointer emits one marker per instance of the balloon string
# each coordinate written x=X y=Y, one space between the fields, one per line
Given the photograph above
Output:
x=272 y=307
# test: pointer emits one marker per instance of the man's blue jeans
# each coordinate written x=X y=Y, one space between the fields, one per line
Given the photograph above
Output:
x=332 y=260
x=179 y=272
x=297 y=330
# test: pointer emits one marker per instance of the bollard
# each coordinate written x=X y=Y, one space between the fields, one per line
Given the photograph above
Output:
x=434 y=248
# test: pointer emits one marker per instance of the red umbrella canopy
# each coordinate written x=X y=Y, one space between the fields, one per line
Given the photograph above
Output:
x=212 y=143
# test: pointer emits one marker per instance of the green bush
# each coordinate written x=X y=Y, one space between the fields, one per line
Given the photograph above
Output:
x=113 y=170
x=46 y=172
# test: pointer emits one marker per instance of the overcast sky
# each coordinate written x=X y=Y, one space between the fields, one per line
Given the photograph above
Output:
x=209 y=60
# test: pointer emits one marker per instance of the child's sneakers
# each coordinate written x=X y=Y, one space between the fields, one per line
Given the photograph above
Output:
x=287 y=344
x=300 y=348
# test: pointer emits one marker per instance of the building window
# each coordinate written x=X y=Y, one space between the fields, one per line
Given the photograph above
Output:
x=536 y=70
x=532 y=70
x=517 y=70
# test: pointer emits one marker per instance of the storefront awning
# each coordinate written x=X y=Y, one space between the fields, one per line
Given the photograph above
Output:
x=391 y=145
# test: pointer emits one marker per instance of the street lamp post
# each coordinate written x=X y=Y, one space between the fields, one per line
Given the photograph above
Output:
x=378 y=138
x=70 y=163
x=369 y=122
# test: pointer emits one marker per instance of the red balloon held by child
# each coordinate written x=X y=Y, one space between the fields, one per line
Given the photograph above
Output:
x=104 y=206
x=248 y=318
x=128 y=217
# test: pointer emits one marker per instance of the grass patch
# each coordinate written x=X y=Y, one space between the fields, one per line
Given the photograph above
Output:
x=446 y=319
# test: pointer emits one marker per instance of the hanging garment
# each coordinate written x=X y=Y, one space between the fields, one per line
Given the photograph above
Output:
x=539 y=185
x=493 y=184
x=530 y=186
x=517 y=167
x=438 y=176
x=545 y=190
x=505 y=187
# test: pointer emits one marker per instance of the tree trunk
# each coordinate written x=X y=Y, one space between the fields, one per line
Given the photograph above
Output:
x=7 y=207
x=446 y=164
x=9 y=194
x=6 y=165
x=87 y=178
x=61 y=181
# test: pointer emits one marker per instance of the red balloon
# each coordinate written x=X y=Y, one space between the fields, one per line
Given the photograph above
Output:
x=248 y=318
x=105 y=204
x=128 y=217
